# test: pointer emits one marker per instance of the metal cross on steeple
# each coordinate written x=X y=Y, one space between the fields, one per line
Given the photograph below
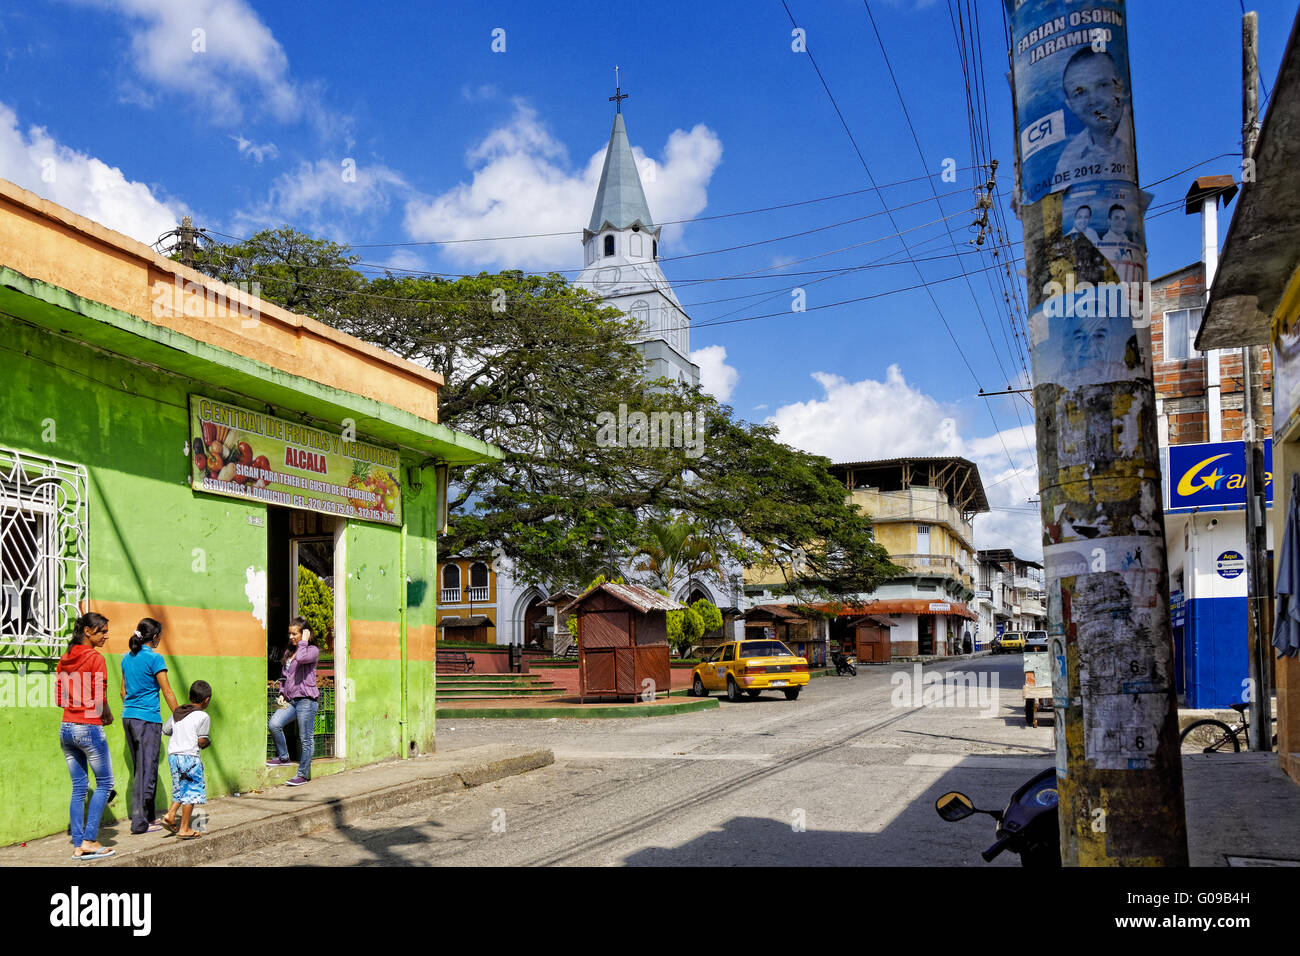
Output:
x=619 y=96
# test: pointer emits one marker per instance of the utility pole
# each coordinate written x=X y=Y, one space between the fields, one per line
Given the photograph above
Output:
x=1119 y=769
x=1259 y=582
x=185 y=241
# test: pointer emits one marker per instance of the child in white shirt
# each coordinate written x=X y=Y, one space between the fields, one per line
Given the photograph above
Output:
x=188 y=727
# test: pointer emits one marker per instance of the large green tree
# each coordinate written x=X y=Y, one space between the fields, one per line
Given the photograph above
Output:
x=541 y=369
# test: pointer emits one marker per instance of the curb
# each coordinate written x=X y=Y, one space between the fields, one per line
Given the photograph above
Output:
x=604 y=711
x=334 y=814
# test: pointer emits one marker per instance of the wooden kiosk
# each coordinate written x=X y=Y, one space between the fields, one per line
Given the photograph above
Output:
x=622 y=634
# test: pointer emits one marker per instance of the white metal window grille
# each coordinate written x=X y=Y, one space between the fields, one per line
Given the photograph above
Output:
x=44 y=552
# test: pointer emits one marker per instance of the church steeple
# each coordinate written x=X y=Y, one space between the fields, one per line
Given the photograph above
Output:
x=621 y=253
x=620 y=200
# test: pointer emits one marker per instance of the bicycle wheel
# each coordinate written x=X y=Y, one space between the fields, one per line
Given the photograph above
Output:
x=1208 y=736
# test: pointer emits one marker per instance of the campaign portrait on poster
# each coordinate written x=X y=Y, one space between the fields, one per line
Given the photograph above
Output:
x=1074 y=110
x=1083 y=338
x=1109 y=215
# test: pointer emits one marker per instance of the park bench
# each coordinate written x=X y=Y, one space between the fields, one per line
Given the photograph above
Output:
x=454 y=662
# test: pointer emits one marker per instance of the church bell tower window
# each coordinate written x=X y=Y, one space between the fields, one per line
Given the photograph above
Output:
x=609 y=245
x=654 y=249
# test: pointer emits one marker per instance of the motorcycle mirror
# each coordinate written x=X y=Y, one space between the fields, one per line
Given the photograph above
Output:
x=954 y=806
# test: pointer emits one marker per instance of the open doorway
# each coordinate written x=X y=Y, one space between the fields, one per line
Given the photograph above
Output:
x=305 y=578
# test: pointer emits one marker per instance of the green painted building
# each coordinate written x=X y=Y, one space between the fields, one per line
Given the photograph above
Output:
x=121 y=370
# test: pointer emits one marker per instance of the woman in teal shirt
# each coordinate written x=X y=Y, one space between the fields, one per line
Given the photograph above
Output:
x=144 y=675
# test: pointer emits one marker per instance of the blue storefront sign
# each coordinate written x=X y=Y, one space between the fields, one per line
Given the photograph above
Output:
x=1213 y=475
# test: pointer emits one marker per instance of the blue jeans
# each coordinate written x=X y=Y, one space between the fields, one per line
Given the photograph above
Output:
x=304 y=709
x=86 y=745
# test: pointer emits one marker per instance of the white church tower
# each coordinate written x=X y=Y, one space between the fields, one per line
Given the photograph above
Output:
x=621 y=253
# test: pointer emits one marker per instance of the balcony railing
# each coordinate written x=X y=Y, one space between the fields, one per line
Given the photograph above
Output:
x=937 y=564
x=476 y=595
x=450 y=596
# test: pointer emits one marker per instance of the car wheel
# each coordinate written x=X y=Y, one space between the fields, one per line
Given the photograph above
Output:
x=733 y=690
x=752 y=693
x=697 y=688
x=792 y=693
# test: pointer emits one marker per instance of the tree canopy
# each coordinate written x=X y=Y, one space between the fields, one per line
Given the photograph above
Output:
x=597 y=458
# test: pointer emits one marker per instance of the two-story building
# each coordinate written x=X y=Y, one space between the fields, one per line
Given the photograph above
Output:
x=479 y=605
x=922 y=509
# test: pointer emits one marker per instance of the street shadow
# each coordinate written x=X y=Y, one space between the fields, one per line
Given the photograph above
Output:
x=380 y=845
x=916 y=836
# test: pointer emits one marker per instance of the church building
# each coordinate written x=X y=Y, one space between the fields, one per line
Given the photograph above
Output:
x=621 y=263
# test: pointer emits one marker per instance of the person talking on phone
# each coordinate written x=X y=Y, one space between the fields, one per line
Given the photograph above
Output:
x=299 y=690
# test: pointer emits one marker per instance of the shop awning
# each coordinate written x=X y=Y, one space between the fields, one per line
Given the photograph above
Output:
x=902 y=606
x=473 y=620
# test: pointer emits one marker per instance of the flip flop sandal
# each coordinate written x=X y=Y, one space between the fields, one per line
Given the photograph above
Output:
x=170 y=827
x=96 y=855
x=154 y=827
x=193 y=836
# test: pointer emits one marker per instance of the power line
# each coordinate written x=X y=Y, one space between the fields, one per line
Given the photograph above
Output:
x=579 y=232
x=928 y=290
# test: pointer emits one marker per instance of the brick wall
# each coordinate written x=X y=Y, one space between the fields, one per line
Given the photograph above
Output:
x=1181 y=383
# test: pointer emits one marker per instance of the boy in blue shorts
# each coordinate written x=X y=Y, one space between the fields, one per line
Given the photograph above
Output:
x=188 y=728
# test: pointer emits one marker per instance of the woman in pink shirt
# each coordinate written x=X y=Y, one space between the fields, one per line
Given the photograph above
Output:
x=298 y=687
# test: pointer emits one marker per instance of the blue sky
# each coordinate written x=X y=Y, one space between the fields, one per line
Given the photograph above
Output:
x=121 y=111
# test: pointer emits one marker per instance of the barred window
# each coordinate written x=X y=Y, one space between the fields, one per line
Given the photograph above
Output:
x=44 y=567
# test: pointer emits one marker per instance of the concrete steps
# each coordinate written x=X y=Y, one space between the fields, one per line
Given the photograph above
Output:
x=458 y=687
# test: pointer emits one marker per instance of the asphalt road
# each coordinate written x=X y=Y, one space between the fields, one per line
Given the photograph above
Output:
x=845 y=775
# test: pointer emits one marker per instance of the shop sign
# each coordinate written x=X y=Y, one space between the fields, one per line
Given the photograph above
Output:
x=1213 y=474
x=245 y=454
x=1177 y=609
x=937 y=606
x=1230 y=564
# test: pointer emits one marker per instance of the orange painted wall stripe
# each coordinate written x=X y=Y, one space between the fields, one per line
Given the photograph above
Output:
x=381 y=641
x=190 y=631
x=196 y=632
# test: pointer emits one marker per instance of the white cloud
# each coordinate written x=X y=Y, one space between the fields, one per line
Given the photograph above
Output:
x=717 y=378
x=868 y=419
x=80 y=182
x=326 y=197
x=214 y=50
x=522 y=184
x=255 y=152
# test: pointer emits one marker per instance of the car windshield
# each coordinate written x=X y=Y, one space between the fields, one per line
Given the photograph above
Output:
x=765 y=649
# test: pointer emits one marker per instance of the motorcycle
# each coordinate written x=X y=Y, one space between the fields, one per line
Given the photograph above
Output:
x=843 y=665
x=1027 y=826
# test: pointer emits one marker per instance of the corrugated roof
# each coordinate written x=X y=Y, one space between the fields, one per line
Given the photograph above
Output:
x=971 y=489
x=785 y=612
x=634 y=595
x=871 y=619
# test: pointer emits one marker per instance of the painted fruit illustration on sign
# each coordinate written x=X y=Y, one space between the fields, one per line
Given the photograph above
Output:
x=219 y=450
x=379 y=482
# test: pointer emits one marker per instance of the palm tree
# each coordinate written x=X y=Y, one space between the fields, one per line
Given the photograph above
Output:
x=674 y=549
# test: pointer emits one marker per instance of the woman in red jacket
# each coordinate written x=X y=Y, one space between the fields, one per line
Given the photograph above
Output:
x=82 y=686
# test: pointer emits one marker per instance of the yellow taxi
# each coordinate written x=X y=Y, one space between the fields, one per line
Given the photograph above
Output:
x=750 y=667
x=1012 y=642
